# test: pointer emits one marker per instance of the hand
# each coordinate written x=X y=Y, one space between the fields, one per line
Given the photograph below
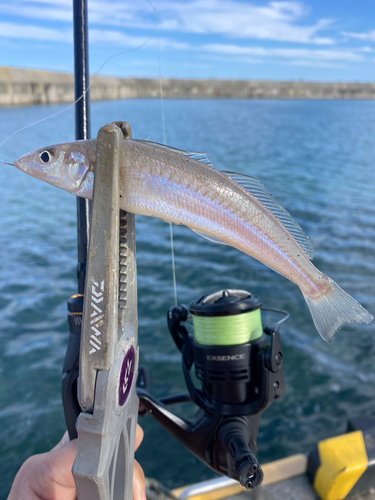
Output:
x=48 y=476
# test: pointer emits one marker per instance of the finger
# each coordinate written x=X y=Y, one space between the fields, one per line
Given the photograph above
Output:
x=60 y=462
x=139 y=484
x=47 y=475
x=138 y=437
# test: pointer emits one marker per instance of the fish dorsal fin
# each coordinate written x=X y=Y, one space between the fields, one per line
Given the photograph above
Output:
x=256 y=188
x=202 y=157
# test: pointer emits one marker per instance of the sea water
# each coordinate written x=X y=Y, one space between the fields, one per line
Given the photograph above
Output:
x=316 y=157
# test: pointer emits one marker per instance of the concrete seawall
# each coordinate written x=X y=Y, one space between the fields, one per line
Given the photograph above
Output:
x=24 y=86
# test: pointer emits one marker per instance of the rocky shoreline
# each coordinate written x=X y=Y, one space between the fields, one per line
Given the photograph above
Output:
x=19 y=87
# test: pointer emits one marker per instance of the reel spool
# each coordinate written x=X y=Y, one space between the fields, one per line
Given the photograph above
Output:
x=225 y=324
x=228 y=317
x=239 y=365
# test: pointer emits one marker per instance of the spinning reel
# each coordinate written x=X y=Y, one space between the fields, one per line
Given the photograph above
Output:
x=239 y=365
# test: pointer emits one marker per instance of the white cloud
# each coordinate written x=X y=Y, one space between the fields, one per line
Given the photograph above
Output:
x=316 y=64
x=365 y=49
x=66 y=3
x=116 y=38
x=370 y=35
x=102 y=13
x=303 y=54
x=120 y=39
x=196 y=65
x=52 y=13
x=13 y=30
x=275 y=20
x=142 y=62
x=231 y=60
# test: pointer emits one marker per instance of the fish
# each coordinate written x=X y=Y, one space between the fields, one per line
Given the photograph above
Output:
x=182 y=187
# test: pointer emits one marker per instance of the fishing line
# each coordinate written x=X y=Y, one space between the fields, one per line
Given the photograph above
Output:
x=160 y=76
x=165 y=142
x=79 y=98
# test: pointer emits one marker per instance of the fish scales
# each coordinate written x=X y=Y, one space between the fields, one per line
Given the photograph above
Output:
x=159 y=181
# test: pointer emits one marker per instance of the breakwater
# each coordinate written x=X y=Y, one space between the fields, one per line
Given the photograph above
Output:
x=25 y=86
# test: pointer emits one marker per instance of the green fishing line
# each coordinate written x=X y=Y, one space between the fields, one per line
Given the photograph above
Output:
x=228 y=330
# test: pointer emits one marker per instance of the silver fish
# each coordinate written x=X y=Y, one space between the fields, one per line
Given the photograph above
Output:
x=230 y=208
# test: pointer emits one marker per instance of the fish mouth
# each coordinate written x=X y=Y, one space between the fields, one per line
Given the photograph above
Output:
x=19 y=165
x=47 y=173
x=26 y=166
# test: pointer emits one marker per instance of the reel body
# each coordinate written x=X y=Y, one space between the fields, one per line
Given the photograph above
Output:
x=238 y=382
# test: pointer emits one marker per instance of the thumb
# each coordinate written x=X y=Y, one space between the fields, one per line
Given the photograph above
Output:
x=139 y=484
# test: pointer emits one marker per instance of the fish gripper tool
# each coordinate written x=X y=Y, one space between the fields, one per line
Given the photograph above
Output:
x=108 y=360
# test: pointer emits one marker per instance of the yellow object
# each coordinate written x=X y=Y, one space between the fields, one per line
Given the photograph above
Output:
x=343 y=460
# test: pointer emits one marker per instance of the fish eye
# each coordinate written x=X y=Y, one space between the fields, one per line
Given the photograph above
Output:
x=45 y=156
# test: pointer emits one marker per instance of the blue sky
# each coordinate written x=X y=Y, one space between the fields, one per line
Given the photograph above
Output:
x=319 y=40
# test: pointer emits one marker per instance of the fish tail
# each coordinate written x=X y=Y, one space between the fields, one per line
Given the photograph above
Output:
x=332 y=310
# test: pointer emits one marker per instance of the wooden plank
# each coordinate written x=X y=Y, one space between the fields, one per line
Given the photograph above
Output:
x=274 y=472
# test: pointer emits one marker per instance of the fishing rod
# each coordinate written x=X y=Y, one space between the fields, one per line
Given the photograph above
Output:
x=82 y=132
x=82 y=124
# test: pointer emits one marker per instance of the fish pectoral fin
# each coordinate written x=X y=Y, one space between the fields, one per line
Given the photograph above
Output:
x=256 y=189
x=209 y=238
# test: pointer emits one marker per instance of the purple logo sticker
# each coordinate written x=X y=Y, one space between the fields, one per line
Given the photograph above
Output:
x=126 y=376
